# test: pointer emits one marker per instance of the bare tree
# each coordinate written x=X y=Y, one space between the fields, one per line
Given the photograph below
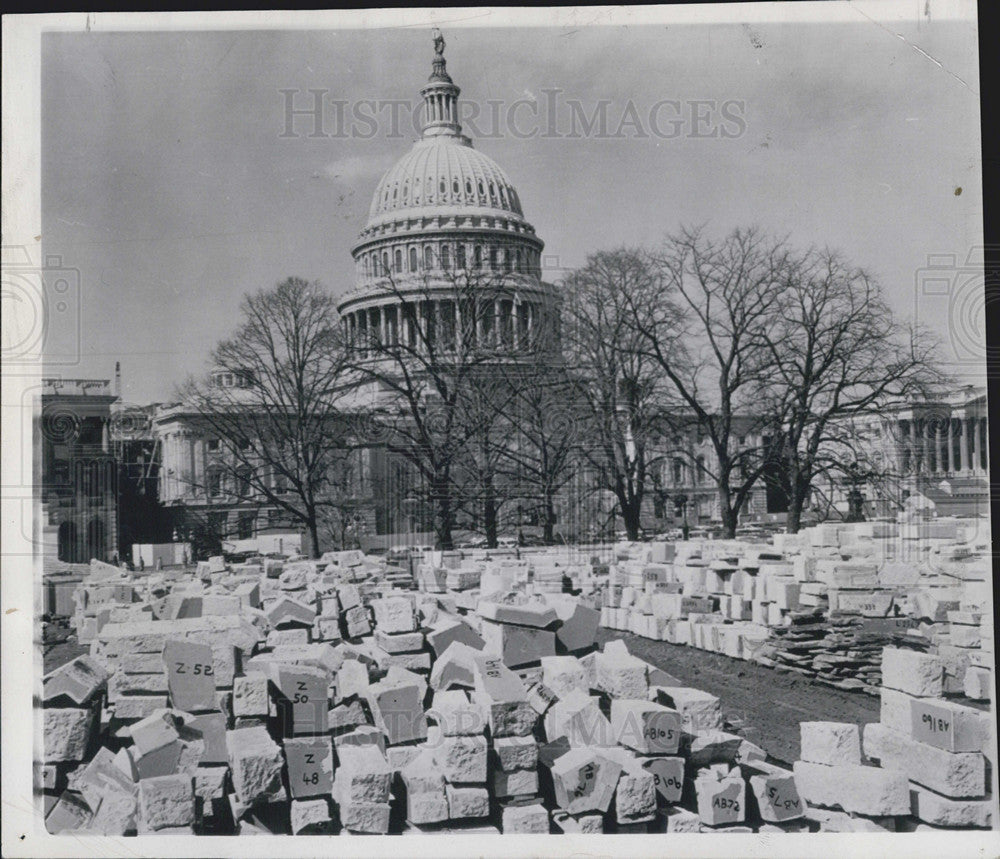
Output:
x=625 y=400
x=838 y=354
x=548 y=418
x=703 y=332
x=274 y=401
x=437 y=338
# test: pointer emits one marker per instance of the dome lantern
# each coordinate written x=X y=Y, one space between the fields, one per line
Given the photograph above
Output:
x=440 y=97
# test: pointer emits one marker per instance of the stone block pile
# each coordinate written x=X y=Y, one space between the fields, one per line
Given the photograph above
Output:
x=322 y=697
x=823 y=603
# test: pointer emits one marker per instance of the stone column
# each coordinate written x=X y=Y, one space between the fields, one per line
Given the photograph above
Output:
x=976 y=443
x=936 y=444
x=925 y=448
x=963 y=444
x=459 y=338
x=383 y=325
x=514 y=321
x=497 y=340
x=986 y=440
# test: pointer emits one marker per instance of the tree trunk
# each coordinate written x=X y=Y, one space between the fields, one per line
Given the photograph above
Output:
x=444 y=518
x=798 y=491
x=490 y=513
x=313 y=529
x=550 y=518
x=726 y=511
x=630 y=516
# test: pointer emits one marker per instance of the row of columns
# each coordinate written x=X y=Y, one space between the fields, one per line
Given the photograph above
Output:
x=953 y=445
x=511 y=323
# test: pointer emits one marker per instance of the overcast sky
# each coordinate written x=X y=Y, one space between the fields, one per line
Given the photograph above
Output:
x=167 y=183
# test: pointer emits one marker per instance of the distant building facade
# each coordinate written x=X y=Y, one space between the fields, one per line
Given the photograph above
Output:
x=78 y=485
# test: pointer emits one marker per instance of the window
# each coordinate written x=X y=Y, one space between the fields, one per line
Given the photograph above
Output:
x=280 y=483
x=212 y=445
x=245 y=526
x=385 y=262
x=243 y=444
x=413 y=259
x=428 y=257
x=493 y=258
x=399 y=261
x=460 y=257
x=445 y=257
x=477 y=257
x=243 y=477
x=214 y=483
x=700 y=463
x=678 y=467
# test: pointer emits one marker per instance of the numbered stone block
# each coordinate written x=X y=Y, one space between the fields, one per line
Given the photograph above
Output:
x=67 y=733
x=302 y=700
x=256 y=763
x=584 y=780
x=777 y=797
x=721 y=802
x=830 y=743
x=949 y=726
x=190 y=669
x=467 y=802
x=954 y=774
x=310 y=766
x=165 y=802
x=668 y=776
x=645 y=726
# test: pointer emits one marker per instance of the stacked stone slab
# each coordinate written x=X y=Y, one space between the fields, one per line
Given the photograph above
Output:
x=940 y=746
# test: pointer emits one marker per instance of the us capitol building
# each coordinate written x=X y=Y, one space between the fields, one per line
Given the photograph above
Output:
x=447 y=214
x=445 y=237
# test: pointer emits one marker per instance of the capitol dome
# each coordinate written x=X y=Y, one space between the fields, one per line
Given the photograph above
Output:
x=444 y=171
x=444 y=212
